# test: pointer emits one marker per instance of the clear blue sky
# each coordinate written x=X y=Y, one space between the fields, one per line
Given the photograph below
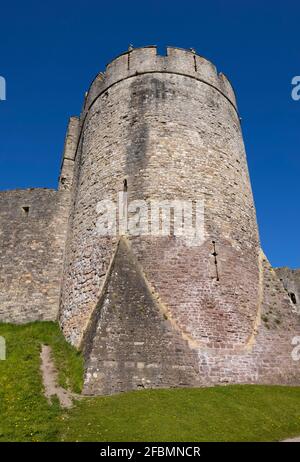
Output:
x=50 y=51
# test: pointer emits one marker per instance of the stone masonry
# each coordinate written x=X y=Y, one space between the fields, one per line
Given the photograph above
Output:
x=148 y=310
x=32 y=230
x=291 y=283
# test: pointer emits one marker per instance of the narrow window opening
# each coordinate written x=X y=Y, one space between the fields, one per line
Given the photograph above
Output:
x=293 y=298
x=25 y=210
x=195 y=63
x=216 y=261
x=123 y=210
x=130 y=48
x=172 y=222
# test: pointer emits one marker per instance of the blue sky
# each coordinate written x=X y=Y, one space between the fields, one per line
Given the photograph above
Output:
x=50 y=52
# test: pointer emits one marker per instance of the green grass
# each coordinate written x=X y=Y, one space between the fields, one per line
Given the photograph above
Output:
x=231 y=413
x=25 y=413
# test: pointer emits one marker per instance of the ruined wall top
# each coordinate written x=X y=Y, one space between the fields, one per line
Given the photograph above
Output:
x=143 y=60
x=290 y=279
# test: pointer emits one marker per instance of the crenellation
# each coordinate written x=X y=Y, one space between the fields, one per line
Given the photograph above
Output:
x=227 y=88
x=146 y=60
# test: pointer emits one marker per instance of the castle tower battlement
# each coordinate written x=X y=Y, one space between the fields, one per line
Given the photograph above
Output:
x=146 y=60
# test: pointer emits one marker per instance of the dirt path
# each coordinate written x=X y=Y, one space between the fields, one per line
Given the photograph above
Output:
x=292 y=440
x=50 y=380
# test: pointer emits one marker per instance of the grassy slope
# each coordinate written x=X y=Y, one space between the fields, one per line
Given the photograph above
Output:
x=25 y=413
x=233 y=413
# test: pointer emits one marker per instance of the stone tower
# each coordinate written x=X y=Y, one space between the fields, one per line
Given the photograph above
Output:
x=144 y=308
x=150 y=309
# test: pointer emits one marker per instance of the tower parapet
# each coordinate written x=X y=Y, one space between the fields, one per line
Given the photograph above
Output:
x=146 y=60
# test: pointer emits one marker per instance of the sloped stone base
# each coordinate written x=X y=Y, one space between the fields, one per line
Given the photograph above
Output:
x=132 y=344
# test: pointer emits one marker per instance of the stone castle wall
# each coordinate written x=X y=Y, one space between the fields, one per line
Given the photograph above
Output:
x=133 y=344
x=291 y=282
x=152 y=311
x=33 y=232
x=32 y=239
